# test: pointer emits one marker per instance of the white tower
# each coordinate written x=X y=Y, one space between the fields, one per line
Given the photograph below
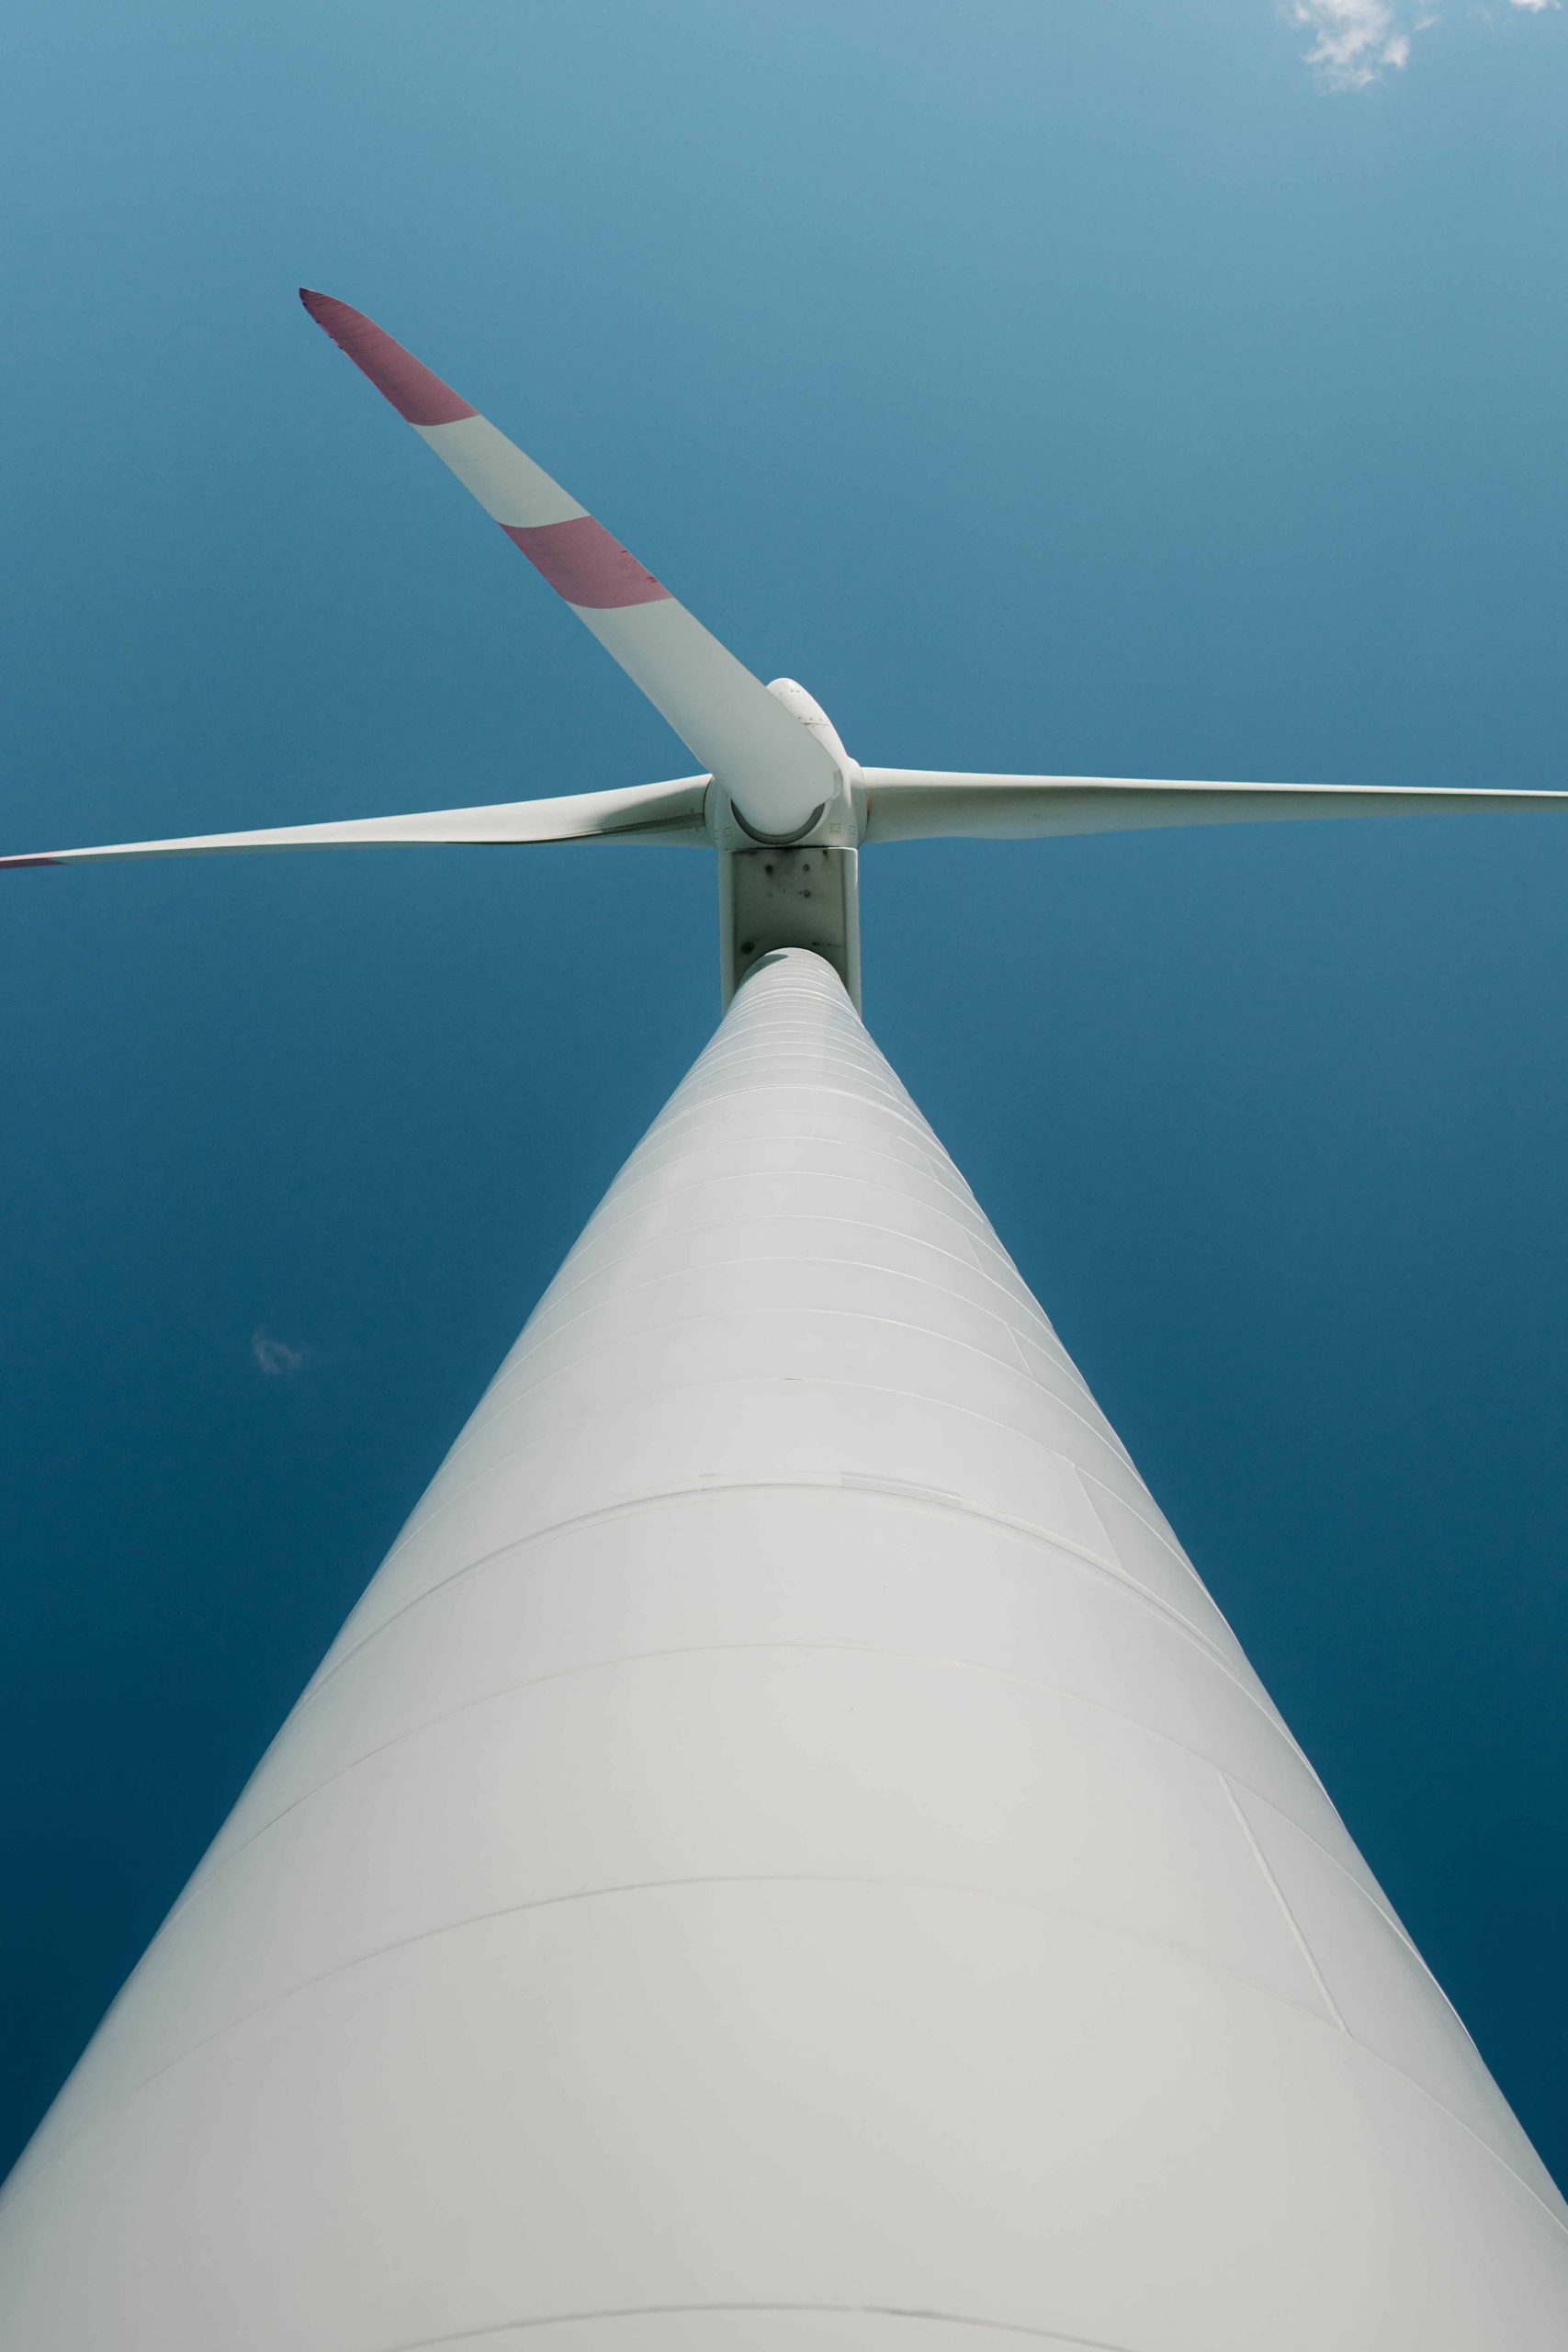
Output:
x=786 y=1854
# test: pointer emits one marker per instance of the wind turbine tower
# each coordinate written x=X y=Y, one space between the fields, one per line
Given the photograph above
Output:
x=785 y=1856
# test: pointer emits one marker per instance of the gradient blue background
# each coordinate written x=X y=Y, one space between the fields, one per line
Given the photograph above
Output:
x=1071 y=386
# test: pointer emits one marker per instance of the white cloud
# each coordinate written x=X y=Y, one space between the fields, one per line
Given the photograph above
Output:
x=1357 y=40
x=274 y=1357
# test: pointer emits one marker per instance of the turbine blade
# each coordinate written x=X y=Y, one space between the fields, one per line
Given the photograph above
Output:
x=645 y=812
x=923 y=804
x=777 y=772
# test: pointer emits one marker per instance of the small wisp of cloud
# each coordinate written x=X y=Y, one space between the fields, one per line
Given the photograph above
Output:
x=1355 y=42
x=275 y=1358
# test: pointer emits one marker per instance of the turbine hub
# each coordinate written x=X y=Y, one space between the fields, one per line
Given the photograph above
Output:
x=812 y=717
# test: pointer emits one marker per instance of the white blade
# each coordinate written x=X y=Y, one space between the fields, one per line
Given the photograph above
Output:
x=777 y=772
x=922 y=804
x=650 y=812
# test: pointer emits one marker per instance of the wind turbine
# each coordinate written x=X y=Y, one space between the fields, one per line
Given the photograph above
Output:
x=787 y=1852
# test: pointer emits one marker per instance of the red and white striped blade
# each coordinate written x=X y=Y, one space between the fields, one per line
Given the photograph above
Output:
x=776 y=772
x=650 y=812
x=927 y=803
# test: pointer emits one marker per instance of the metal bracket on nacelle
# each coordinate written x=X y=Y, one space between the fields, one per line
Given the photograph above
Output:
x=805 y=894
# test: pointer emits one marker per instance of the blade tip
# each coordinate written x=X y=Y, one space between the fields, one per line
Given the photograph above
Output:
x=419 y=396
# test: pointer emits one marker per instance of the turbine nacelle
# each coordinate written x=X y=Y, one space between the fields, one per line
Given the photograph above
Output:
x=798 y=888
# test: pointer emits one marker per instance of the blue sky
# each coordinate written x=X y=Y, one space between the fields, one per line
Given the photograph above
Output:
x=1093 y=387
